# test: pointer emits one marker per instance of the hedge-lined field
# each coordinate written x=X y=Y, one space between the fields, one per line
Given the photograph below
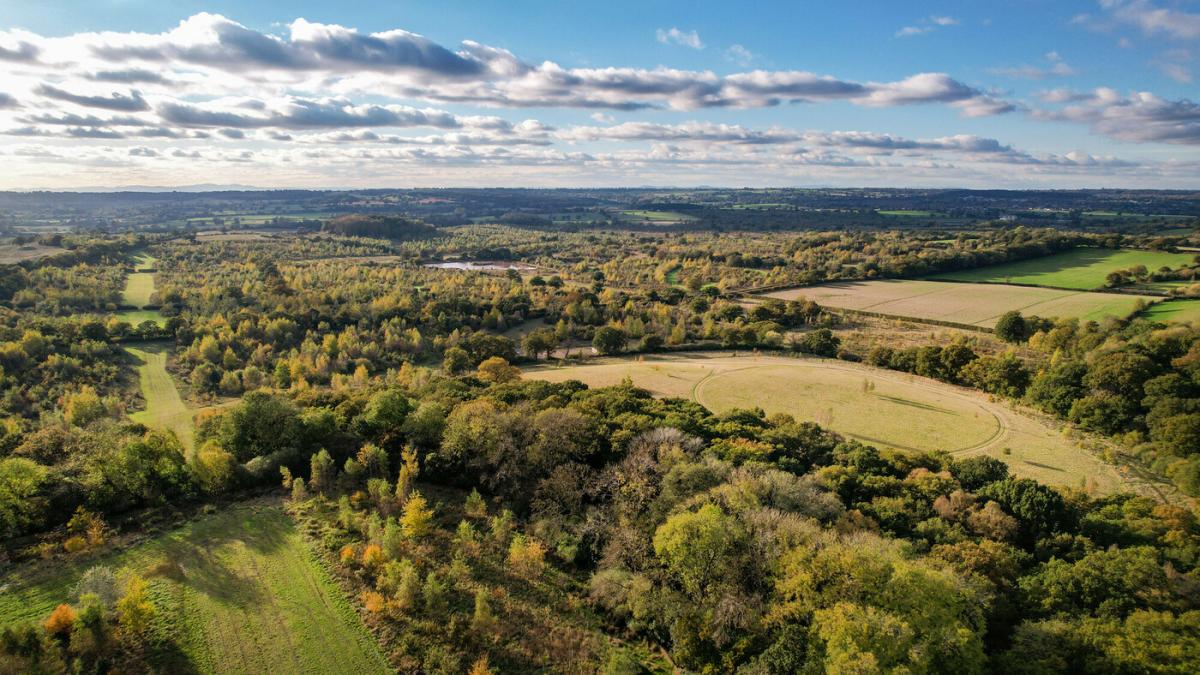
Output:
x=1082 y=269
x=964 y=303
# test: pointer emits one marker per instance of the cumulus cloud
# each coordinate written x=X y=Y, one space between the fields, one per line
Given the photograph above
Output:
x=927 y=25
x=208 y=54
x=1140 y=117
x=740 y=55
x=1055 y=66
x=330 y=100
x=131 y=102
x=674 y=36
x=1153 y=19
x=298 y=113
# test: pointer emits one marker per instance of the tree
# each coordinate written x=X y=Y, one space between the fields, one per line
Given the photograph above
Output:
x=482 y=620
x=526 y=555
x=975 y=472
x=61 y=621
x=542 y=340
x=1040 y=510
x=213 y=468
x=609 y=340
x=262 y=424
x=696 y=546
x=1011 y=327
x=21 y=503
x=475 y=506
x=417 y=519
x=135 y=613
x=299 y=492
x=83 y=407
x=498 y=371
x=408 y=474
x=322 y=471
x=386 y=411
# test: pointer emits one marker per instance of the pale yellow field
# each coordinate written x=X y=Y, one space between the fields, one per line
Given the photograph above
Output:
x=13 y=253
x=965 y=303
x=879 y=407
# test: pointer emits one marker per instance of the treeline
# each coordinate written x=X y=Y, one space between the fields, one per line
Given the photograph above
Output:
x=378 y=226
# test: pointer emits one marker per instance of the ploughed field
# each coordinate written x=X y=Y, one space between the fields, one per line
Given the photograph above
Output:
x=964 y=303
x=878 y=407
x=239 y=592
x=1082 y=268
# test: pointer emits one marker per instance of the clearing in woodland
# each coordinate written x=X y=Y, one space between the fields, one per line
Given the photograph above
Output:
x=963 y=303
x=1081 y=268
x=139 y=287
x=238 y=591
x=878 y=407
x=165 y=410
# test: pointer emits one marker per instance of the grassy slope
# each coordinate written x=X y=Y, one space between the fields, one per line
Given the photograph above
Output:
x=902 y=411
x=238 y=590
x=1082 y=268
x=164 y=408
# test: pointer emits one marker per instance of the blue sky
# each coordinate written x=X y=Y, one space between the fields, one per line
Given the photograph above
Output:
x=1015 y=94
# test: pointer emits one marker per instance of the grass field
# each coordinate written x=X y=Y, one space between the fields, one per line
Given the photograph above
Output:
x=660 y=217
x=879 y=407
x=964 y=303
x=239 y=591
x=907 y=212
x=139 y=286
x=1182 y=310
x=165 y=410
x=14 y=253
x=1082 y=268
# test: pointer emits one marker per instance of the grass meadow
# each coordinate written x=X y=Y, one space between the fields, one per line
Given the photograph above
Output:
x=165 y=410
x=964 y=303
x=878 y=407
x=1082 y=269
x=239 y=591
x=1181 y=310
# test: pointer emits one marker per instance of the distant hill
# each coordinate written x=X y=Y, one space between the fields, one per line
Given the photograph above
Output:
x=378 y=226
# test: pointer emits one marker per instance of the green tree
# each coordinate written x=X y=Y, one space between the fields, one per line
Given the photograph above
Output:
x=1011 y=327
x=697 y=547
x=609 y=340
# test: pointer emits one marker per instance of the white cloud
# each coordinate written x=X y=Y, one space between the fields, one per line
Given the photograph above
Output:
x=690 y=39
x=740 y=55
x=1140 y=117
x=927 y=25
x=1055 y=66
x=1153 y=19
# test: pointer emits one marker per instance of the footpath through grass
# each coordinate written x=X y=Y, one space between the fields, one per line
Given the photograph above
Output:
x=165 y=409
x=1082 y=268
x=238 y=591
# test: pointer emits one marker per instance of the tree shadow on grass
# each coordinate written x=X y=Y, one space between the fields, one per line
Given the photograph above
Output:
x=205 y=558
x=1044 y=466
x=916 y=404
